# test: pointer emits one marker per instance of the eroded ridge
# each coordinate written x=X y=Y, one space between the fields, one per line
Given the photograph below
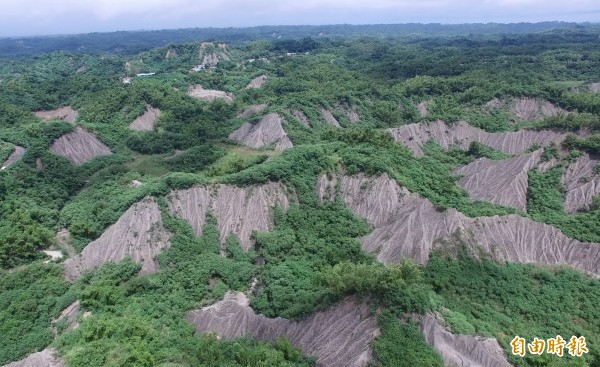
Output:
x=257 y=82
x=461 y=134
x=238 y=210
x=67 y=114
x=139 y=234
x=197 y=91
x=146 y=121
x=267 y=131
x=407 y=225
x=45 y=358
x=14 y=157
x=462 y=350
x=79 y=146
x=582 y=180
x=501 y=182
x=339 y=336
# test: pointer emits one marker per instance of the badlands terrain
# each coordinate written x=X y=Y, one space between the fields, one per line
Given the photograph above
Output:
x=302 y=201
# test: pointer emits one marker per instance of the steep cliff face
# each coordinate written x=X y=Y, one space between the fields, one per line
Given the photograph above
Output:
x=339 y=336
x=45 y=358
x=67 y=114
x=238 y=210
x=146 y=121
x=501 y=182
x=462 y=135
x=329 y=118
x=139 y=234
x=79 y=146
x=582 y=182
x=462 y=350
x=407 y=225
x=267 y=131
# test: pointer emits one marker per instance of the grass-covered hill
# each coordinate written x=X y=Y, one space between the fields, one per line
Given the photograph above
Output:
x=411 y=201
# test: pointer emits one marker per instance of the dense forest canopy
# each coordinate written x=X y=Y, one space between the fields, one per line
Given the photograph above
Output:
x=276 y=135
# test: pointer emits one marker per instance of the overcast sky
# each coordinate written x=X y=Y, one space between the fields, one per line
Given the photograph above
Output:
x=35 y=17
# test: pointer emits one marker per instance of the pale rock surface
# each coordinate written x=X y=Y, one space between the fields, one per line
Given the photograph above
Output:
x=409 y=226
x=301 y=117
x=79 y=146
x=257 y=82
x=350 y=112
x=197 y=91
x=146 y=121
x=462 y=350
x=461 y=134
x=67 y=114
x=502 y=182
x=252 y=110
x=14 y=157
x=582 y=183
x=329 y=118
x=139 y=234
x=531 y=109
x=45 y=358
x=339 y=336
x=267 y=131
x=423 y=109
x=238 y=210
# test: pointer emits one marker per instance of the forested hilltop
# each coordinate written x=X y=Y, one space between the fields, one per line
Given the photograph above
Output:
x=132 y=42
x=332 y=200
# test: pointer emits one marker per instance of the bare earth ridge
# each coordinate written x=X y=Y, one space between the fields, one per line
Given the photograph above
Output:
x=197 y=91
x=238 y=210
x=462 y=350
x=462 y=135
x=338 y=337
x=582 y=183
x=329 y=118
x=267 y=131
x=139 y=233
x=146 y=121
x=501 y=182
x=257 y=82
x=67 y=114
x=407 y=225
x=252 y=110
x=79 y=146
x=14 y=157
x=45 y=358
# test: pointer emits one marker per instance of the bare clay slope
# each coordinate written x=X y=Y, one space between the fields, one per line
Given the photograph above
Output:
x=462 y=135
x=267 y=131
x=582 y=183
x=67 y=114
x=146 y=121
x=79 y=146
x=139 y=233
x=502 y=182
x=45 y=358
x=339 y=336
x=14 y=157
x=252 y=110
x=407 y=225
x=197 y=91
x=257 y=82
x=462 y=350
x=238 y=210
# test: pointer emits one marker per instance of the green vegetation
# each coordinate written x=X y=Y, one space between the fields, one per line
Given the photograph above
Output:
x=525 y=300
x=312 y=256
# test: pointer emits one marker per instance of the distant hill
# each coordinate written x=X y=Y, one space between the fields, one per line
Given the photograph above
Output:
x=132 y=42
